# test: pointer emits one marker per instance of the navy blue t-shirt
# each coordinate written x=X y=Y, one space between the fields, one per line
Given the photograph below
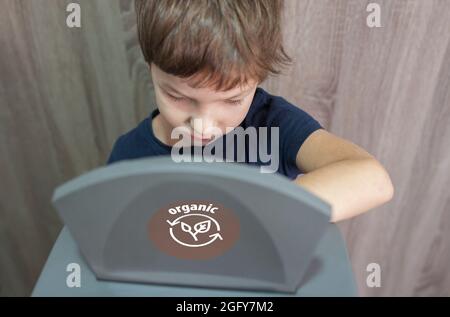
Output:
x=294 y=127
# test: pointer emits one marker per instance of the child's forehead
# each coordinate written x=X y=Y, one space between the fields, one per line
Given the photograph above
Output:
x=196 y=83
x=205 y=93
x=188 y=86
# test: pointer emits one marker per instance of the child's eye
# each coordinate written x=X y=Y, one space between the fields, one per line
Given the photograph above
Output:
x=234 y=102
x=176 y=99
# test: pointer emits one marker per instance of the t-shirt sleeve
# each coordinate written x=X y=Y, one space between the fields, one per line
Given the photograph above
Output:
x=295 y=126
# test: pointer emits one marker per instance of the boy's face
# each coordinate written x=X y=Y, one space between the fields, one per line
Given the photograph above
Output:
x=197 y=110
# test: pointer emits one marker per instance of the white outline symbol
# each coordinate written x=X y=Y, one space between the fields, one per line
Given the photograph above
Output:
x=202 y=227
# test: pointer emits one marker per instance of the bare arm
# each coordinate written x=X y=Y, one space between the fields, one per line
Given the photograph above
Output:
x=351 y=180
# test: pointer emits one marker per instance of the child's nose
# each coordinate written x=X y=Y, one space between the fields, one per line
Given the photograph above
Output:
x=202 y=126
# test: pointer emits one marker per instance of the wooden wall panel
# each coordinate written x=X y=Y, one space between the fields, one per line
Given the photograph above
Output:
x=65 y=94
x=386 y=89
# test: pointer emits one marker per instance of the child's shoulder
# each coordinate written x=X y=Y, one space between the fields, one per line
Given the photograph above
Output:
x=274 y=110
x=132 y=135
x=129 y=142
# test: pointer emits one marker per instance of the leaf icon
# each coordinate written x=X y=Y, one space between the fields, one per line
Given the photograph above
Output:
x=202 y=227
x=185 y=227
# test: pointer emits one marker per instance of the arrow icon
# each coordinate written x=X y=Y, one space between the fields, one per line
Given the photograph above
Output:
x=216 y=236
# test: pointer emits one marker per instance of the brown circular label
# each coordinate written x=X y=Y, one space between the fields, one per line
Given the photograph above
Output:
x=194 y=229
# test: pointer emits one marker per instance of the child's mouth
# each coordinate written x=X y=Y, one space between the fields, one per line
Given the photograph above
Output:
x=201 y=139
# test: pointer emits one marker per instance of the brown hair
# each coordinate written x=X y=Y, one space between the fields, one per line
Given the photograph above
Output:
x=230 y=41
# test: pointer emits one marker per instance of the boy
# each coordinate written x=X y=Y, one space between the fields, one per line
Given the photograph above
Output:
x=206 y=59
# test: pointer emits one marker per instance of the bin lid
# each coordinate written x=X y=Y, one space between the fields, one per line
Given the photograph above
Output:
x=215 y=225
